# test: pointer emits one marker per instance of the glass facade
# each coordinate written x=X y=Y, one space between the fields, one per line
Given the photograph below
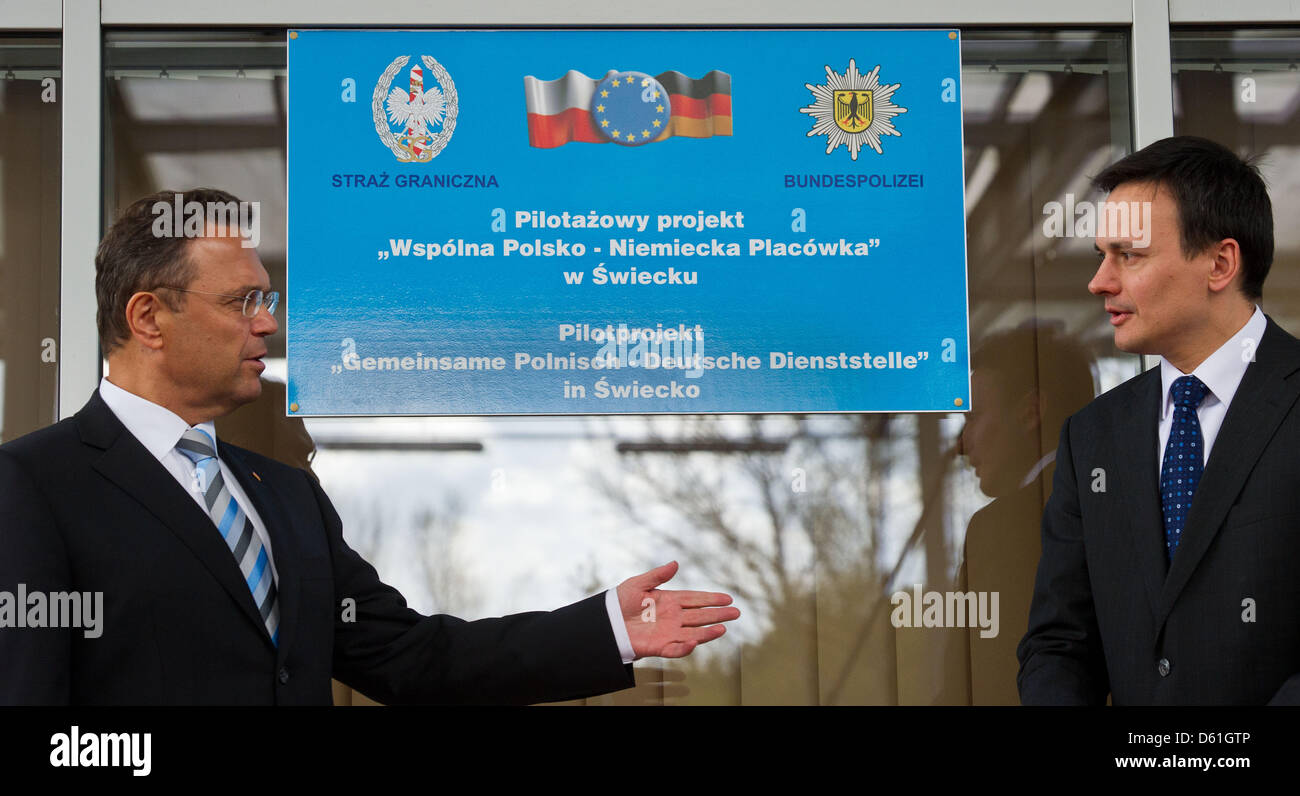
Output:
x=30 y=139
x=813 y=522
x=1242 y=89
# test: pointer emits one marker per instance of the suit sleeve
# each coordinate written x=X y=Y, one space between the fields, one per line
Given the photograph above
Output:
x=1061 y=659
x=1289 y=693
x=398 y=656
x=35 y=662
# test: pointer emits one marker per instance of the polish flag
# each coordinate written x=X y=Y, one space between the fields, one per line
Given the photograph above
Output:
x=559 y=111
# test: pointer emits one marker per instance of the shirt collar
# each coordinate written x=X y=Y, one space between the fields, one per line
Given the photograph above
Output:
x=1038 y=468
x=157 y=428
x=1221 y=371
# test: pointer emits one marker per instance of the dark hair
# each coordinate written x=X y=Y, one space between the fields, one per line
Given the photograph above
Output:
x=1218 y=195
x=139 y=253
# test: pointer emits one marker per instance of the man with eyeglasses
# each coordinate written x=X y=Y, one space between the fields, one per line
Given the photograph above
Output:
x=223 y=575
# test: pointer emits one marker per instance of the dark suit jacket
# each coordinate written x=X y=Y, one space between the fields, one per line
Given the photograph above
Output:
x=1109 y=616
x=1001 y=555
x=85 y=507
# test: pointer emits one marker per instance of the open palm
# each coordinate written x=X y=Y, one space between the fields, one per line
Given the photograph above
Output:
x=667 y=623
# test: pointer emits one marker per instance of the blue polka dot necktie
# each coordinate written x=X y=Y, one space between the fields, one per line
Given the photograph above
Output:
x=235 y=527
x=1181 y=470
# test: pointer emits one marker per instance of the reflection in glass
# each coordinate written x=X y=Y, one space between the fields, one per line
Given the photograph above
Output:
x=1014 y=410
x=1242 y=89
x=814 y=522
x=30 y=158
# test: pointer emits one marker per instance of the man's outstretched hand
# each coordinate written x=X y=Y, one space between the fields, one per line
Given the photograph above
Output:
x=669 y=624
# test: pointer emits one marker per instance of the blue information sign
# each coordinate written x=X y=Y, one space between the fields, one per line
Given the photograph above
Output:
x=538 y=221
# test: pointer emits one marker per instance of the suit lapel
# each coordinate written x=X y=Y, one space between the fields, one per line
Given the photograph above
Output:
x=1258 y=408
x=1138 y=425
x=283 y=547
x=126 y=463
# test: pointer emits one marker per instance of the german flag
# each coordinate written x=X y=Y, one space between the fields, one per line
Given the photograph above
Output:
x=701 y=108
x=560 y=111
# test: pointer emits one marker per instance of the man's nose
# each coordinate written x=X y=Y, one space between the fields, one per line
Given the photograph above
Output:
x=264 y=323
x=1104 y=281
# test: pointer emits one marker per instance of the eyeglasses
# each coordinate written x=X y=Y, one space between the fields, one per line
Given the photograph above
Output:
x=254 y=301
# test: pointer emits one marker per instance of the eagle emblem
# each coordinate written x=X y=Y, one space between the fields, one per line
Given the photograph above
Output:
x=417 y=122
x=853 y=110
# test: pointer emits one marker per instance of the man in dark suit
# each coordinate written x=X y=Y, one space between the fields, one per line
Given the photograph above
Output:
x=1024 y=383
x=1170 y=540
x=224 y=575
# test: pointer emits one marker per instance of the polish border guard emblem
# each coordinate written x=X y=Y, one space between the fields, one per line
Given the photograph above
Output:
x=415 y=123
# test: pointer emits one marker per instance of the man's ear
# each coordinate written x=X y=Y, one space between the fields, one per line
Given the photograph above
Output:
x=1226 y=265
x=1027 y=412
x=142 y=312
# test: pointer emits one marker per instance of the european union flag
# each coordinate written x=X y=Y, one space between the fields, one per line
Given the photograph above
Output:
x=631 y=108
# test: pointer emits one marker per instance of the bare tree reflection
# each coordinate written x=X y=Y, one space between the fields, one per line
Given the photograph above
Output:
x=425 y=536
x=792 y=515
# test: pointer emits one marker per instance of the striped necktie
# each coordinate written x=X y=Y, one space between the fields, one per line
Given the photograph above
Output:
x=234 y=525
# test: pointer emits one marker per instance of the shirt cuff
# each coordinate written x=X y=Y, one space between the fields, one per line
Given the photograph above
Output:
x=619 y=626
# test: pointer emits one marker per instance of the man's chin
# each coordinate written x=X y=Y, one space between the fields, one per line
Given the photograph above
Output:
x=1130 y=344
x=252 y=390
x=995 y=488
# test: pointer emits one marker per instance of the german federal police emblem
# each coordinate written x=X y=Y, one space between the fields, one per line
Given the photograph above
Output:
x=853 y=109
x=421 y=118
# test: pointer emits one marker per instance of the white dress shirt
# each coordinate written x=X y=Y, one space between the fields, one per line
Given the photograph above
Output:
x=1221 y=372
x=159 y=429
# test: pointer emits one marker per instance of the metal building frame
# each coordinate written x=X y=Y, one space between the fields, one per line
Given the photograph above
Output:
x=82 y=23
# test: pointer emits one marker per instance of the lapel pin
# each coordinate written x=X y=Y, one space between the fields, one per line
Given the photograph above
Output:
x=255 y=475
